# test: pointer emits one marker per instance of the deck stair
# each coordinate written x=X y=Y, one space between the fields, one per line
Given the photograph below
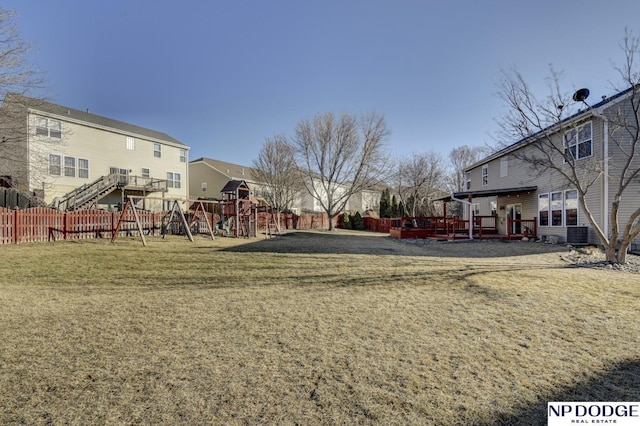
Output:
x=87 y=195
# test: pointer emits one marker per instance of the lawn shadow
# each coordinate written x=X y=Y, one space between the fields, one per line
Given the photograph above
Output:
x=368 y=243
x=619 y=384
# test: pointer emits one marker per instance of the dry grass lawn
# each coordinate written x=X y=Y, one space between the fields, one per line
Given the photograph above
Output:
x=311 y=328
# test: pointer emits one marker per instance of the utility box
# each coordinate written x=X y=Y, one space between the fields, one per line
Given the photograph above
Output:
x=578 y=235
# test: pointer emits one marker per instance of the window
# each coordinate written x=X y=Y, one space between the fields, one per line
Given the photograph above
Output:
x=578 y=143
x=203 y=186
x=467 y=178
x=55 y=164
x=145 y=173
x=183 y=155
x=556 y=208
x=475 y=208
x=83 y=168
x=48 y=127
x=571 y=207
x=504 y=166
x=485 y=175
x=543 y=209
x=69 y=166
x=173 y=180
x=123 y=177
x=131 y=143
x=157 y=150
x=494 y=208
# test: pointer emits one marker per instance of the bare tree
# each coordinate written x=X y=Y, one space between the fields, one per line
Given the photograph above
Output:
x=459 y=159
x=340 y=156
x=277 y=173
x=17 y=77
x=545 y=134
x=420 y=177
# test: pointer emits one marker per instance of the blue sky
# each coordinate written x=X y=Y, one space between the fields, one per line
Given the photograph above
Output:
x=221 y=76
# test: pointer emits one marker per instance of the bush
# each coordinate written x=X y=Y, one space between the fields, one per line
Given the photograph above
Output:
x=345 y=223
x=357 y=222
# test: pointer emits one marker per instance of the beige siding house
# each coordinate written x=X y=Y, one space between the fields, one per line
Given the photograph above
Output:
x=503 y=185
x=55 y=150
x=208 y=176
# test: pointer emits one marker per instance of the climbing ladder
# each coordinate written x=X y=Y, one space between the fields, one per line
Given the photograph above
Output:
x=273 y=227
x=245 y=225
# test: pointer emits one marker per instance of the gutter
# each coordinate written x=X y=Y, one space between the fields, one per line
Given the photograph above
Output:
x=468 y=203
x=605 y=154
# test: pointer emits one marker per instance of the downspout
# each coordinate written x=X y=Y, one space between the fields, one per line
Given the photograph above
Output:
x=468 y=203
x=605 y=154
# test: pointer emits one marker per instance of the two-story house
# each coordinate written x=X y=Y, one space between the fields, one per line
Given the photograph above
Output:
x=209 y=176
x=506 y=185
x=76 y=159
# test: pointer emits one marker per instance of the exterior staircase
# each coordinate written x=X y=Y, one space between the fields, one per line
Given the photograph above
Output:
x=87 y=195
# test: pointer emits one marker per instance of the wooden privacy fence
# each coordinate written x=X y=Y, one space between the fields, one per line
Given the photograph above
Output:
x=44 y=224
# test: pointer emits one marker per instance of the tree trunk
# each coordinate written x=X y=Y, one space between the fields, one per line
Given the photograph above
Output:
x=331 y=217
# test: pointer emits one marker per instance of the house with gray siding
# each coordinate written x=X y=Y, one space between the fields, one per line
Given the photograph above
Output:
x=506 y=186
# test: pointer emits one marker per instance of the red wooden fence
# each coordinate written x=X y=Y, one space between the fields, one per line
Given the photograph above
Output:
x=44 y=224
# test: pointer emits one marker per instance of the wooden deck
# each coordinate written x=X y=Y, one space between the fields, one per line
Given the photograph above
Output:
x=449 y=229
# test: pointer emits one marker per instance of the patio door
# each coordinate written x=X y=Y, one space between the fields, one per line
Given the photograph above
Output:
x=514 y=212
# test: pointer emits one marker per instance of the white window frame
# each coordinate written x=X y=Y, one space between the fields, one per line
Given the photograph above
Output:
x=48 y=127
x=544 y=207
x=57 y=164
x=145 y=172
x=174 y=180
x=485 y=175
x=575 y=139
x=83 y=172
x=467 y=177
x=203 y=186
x=557 y=208
x=183 y=155
x=571 y=204
x=69 y=165
x=504 y=167
x=157 y=150
x=130 y=143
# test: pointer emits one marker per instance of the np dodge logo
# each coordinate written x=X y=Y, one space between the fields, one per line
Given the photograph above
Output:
x=573 y=413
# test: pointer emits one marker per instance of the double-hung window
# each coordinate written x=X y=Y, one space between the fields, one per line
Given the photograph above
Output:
x=578 y=143
x=173 y=180
x=69 y=166
x=571 y=207
x=467 y=178
x=55 y=164
x=48 y=127
x=83 y=168
x=183 y=155
x=157 y=150
x=556 y=208
x=543 y=209
x=485 y=175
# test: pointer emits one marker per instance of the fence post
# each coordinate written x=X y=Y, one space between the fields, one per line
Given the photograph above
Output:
x=15 y=226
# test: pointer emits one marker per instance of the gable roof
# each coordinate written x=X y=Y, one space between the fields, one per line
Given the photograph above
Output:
x=87 y=117
x=233 y=185
x=231 y=170
x=528 y=139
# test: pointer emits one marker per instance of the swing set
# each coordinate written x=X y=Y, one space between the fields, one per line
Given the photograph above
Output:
x=130 y=214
